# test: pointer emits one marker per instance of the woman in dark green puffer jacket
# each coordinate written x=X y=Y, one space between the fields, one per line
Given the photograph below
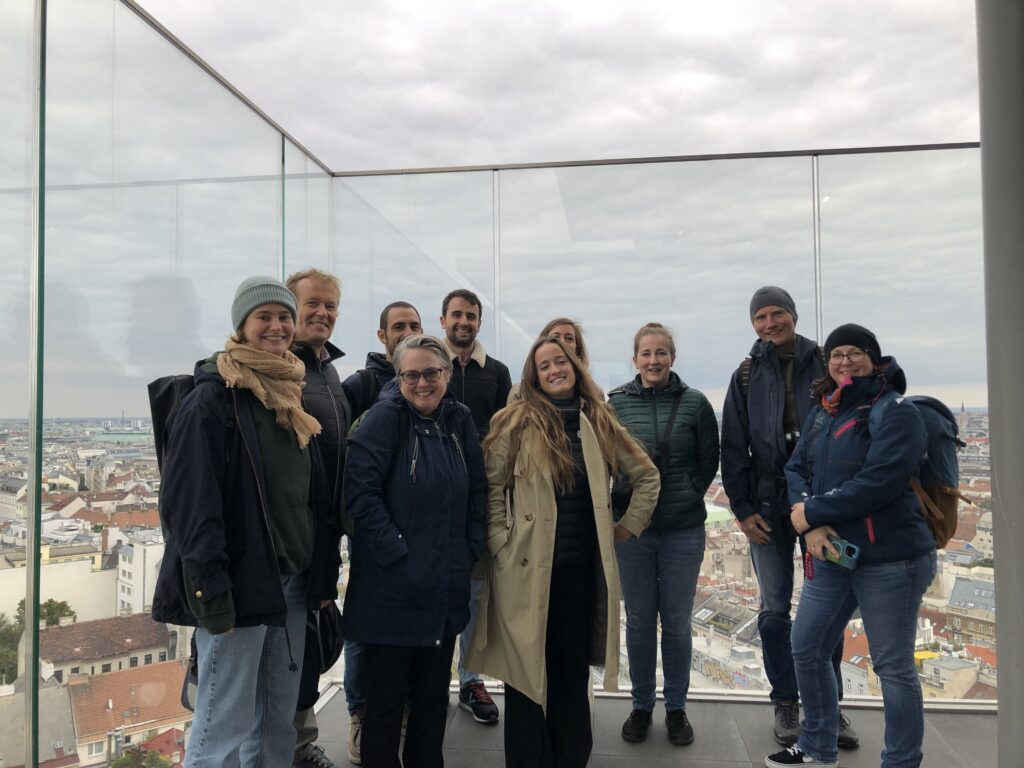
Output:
x=659 y=570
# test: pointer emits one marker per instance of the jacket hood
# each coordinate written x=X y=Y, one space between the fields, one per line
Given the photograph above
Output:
x=635 y=387
x=378 y=363
x=206 y=370
x=863 y=387
x=802 y=348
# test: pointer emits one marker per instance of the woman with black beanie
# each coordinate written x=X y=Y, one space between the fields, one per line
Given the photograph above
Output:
x=849 y=478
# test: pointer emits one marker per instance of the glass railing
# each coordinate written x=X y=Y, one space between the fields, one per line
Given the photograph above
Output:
x=164 y=189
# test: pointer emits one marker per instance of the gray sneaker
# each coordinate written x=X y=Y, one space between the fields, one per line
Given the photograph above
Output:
x=786 y=729
x=848 y=738
x=312 y=756
x=355 y=738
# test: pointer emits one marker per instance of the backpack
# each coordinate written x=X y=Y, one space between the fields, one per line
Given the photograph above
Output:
x=165 y=396
x=937 y=481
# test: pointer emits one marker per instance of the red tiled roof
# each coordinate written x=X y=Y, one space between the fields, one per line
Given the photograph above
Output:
x=167 y=743
x=983 y=653
x=855 y=644
x=102 y=638
x=143 y=697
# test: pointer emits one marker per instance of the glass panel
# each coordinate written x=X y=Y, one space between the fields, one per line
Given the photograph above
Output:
x=411 y=238
x=17 y=180
x=902 y=254
x=164 y=191
x=683 y=244
x=307 y=189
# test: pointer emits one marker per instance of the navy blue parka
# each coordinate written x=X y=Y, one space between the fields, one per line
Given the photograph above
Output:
x=754 y=449
x=213 y=503
x=416 y=488
x=853 y=470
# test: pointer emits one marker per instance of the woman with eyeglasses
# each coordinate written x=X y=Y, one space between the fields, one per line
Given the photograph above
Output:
x=550 y=606
x=849 y=484
x=416 y=489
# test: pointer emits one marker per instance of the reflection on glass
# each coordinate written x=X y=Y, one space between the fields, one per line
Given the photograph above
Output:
x=163 y=192
x=17 y=177
x=307 y=210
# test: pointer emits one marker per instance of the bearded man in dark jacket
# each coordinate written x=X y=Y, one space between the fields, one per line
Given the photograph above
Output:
x=768 y=399
x=317 y=295
x=398 y=320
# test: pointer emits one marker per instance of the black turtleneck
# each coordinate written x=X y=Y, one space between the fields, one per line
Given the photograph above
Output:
x=575 y=529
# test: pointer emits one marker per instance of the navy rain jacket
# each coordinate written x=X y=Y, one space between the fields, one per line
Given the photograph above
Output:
x=853 y=471
x=753 y=436
x=417 y=490
x=213 y=508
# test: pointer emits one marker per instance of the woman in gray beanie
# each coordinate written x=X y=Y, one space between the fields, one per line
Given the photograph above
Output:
x=251 y=543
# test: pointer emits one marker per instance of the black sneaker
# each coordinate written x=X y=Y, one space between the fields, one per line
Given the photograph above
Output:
x=312 y=756
x=634 y=730
x=848 y=738
x=475 y=698
x=796 y=756
x=786 y=729
x=680 y=732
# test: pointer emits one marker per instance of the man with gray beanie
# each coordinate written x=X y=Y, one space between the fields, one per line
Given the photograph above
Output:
x=769 y=397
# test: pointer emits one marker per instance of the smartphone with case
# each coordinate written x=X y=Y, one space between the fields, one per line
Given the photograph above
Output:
x=848 y=553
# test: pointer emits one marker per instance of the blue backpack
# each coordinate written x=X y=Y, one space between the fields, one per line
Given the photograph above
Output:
x=937 y=483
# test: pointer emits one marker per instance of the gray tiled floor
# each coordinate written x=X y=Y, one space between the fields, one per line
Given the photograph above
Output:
x=728 y=735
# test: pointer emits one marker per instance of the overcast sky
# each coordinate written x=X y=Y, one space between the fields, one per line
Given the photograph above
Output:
x=401 y=84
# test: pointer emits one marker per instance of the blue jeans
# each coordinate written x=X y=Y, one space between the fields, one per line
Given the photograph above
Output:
x=248 y=689
x=889 y=596
x=773 y=565
x=658 y=572
x=355 y=687
x=466 y=676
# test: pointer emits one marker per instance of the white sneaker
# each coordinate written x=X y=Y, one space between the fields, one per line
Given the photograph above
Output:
x=355 y=738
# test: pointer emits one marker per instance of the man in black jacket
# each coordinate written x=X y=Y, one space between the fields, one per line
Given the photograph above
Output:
x=317 y=295
x=398 y=320
x=768 y=399
x=481 y=383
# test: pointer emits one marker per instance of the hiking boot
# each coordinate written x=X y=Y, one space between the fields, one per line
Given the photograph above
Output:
x=312 y=756
x=475 y=698
x=848 y=738
x=786 y=729
x=355 y=738
x=680 y=732
x=796 y=756
x=634 y=730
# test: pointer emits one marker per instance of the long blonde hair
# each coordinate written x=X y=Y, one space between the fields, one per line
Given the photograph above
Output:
x=533 y=410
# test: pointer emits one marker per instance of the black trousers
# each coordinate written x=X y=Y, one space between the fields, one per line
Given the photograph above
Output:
x=395 y=674
x=561 y=737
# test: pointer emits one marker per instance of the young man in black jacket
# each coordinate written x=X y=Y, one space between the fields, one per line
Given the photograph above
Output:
x=769 y=397
x=398 y=320
x=482 y=384
x=317 y=295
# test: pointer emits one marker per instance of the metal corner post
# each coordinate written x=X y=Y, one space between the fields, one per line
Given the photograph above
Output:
x=1001 y=87
x=35 y=430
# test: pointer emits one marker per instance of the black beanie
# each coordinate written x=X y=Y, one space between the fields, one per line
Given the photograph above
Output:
x=854 y=335
x=769 y=296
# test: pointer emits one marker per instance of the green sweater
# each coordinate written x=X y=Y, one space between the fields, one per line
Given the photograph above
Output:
x=287 y=472
x=693 y=445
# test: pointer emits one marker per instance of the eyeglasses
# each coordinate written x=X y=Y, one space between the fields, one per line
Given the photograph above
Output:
x=430 y=374
x=854 y=356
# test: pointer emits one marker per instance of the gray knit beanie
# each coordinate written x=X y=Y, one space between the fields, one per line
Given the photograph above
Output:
x=769 y=296
x=255 y=291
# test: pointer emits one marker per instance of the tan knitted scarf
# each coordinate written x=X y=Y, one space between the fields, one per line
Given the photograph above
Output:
x=275 y=381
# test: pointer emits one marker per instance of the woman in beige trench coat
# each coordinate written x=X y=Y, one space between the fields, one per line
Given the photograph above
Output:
x=550 y=605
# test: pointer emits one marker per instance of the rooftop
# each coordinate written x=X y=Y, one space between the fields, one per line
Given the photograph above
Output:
x=101 y=639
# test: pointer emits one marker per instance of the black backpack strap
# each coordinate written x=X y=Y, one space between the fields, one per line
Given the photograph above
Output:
x=366 y=378
x=745 y=367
